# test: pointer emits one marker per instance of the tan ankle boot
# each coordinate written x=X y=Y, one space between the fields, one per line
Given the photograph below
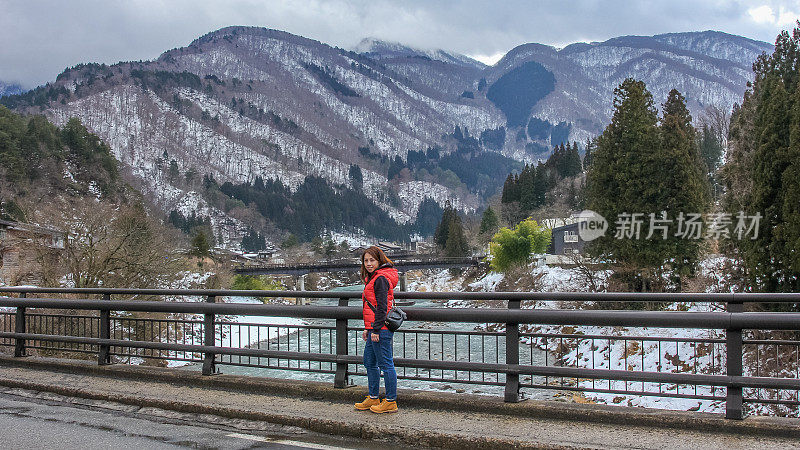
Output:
x=384 y=407
x=367 y=403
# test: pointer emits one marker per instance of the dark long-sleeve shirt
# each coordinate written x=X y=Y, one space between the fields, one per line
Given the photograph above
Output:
x=381 y=288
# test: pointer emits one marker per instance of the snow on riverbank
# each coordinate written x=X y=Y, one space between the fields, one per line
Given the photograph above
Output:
x=672 y=351
x=434 y=280
x=625 y=348
x=487 y=283
x=243 y=331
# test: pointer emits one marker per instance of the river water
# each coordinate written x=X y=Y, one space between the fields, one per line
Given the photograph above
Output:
x=422 y=340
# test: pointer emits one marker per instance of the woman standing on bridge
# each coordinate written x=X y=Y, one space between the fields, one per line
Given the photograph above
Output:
x=380 y=278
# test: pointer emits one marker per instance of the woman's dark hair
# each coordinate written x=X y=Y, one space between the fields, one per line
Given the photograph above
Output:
x=379 y=256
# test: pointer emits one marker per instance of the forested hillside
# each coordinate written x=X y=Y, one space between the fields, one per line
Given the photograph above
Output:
x=39 y=159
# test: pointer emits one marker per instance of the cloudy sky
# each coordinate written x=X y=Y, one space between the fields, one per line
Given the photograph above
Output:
x=42 y=37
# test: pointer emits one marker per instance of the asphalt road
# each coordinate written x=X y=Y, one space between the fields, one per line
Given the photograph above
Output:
x=125 y=413
x=32 y=420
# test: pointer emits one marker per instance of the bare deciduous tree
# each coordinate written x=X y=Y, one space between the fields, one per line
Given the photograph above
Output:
x=587 y=270
x=718 y=119
x=113 y=245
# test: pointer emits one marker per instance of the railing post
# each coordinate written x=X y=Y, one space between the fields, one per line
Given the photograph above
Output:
x=340 y=378
x=19 y=327
x=209 y=339
x=733 y=358
x=104 y=351
x=512 y=356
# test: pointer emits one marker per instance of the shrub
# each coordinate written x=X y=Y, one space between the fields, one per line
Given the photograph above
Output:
x=255 y=283
x=510 y=248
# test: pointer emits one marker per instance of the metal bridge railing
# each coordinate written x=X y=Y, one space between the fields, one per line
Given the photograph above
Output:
x=735 y=365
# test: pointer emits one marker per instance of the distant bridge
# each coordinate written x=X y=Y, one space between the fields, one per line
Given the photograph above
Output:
x=353 y=265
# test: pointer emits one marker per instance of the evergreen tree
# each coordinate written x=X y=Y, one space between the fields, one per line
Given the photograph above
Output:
x=316 y=206
x=34 y=150
x=330 y=247
x=291 y=241
x=687 y=185
x=557 y=161
x=190 y=176
x=762 y=173
x=356 y=177
x=527 y=196
x=428 y=216
x=510 y=200
x=551 y=177
x=201 y=246
x=620 y=173
x=572 y=161
x=174 y=172
x=189 y=224
x=561 y=167
x=253 y=241
x=489 y=221
x=530 y=186
x=395 y=166
x=442 y=230
x=641 y=168
x=591 y=145
x=516 y=192
x=512 y=190
x=258 y=184
x=540 y=186
x=449 y=234
x=710 y=148
x=508 y=187
x=457 y=134
x=456 y=241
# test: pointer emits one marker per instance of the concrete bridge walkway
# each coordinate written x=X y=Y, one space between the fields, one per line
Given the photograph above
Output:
x=425 y=419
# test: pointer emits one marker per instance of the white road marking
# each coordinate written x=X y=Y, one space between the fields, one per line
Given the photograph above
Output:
x=253 y=437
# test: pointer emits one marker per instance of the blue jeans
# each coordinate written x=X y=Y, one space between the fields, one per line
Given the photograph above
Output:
x=377 y=358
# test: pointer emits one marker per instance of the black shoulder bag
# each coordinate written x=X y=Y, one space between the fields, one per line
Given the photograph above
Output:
x=394 y=318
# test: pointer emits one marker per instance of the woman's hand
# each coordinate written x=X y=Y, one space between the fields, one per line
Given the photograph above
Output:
x=375 y=337
x=364 y=335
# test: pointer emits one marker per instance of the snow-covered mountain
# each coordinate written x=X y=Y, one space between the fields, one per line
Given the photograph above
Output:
x=738 y=49
x=10 y=89
x=708 y=68
x=441 y=71
x=382 y=50
x=244 y=102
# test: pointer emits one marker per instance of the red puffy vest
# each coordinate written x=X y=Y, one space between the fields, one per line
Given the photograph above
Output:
x=390 y=273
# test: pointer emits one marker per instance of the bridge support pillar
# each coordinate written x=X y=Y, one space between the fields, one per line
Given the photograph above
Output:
x=512 y=394
x=733 y=358
x=209 y=339
x=19 y=327
x=300 y=285
x=403 y=281
x=104 y=350
x=340 y=378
